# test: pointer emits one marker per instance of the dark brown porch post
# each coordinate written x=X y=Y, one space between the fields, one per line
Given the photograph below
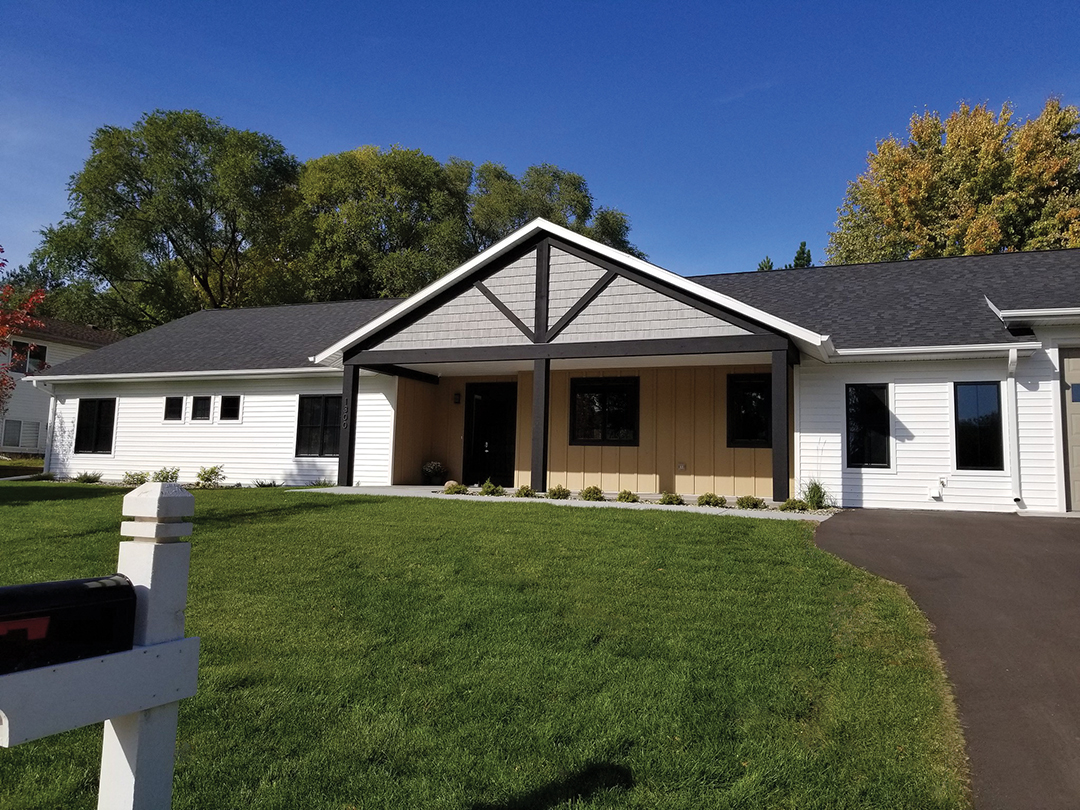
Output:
x=541 y=379
x=781 y=443
x=350 y=387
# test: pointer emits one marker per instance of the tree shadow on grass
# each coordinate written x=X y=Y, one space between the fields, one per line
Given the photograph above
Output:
x=580 y=785
x=22 y=494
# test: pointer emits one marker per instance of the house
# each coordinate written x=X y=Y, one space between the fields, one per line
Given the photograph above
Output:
x=552 y=359
x=24 y=421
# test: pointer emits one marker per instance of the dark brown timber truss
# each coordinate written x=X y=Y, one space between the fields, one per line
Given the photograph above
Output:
x=541 y=350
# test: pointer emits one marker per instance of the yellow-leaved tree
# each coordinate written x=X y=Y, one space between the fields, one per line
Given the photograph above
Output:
x=977 y=182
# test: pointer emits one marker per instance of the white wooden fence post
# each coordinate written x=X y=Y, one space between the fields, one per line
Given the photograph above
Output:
x=139 y=749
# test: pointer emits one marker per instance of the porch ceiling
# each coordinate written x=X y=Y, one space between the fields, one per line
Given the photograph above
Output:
x=470 y=369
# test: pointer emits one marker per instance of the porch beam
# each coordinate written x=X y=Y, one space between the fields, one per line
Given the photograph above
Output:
x=781 y=442
x=540 y=411
x=725 y=344
x=543 y=274
x=390 y=370
x=350 y=388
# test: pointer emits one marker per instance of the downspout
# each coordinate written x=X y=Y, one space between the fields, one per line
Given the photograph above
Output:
x=1014 y=430
x=47 y=463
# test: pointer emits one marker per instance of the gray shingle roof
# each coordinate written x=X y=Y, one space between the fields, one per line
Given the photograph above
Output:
x=928 y=302
x=230 y=339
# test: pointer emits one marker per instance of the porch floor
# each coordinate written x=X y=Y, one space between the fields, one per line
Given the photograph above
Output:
x=436 y=492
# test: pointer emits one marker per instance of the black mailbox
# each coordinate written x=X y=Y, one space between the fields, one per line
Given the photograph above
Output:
x=53 y=622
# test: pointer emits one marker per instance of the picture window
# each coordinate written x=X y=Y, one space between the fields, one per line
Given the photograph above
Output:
x=94 y=426
x=749 y=410
x=979 y=439
x=318 y=428
x=868 y=425
x=604 y=411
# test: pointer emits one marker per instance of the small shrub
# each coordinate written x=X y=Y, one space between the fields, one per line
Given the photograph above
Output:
x=558 y=493
x=259 y=482
x=491 y=490
x=750 y=502
x=135 y=478
x=166 y=475
x=793 y=505
x=712 y=499
x=816 y=496
x=454 y=488
x=524 y=491
x=211 y=477
x=672 y=499
x=321 y=482
x=626 y=496
x=593 y=493
x=87 y=477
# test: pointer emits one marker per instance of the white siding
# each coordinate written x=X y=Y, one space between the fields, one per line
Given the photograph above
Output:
x=262 y=445
x=30 y=405
x=922 y=449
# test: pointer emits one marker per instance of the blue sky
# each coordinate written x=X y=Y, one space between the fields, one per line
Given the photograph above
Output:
x=727 y=131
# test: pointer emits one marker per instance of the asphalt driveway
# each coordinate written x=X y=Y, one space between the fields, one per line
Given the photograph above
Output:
x=1003 y=593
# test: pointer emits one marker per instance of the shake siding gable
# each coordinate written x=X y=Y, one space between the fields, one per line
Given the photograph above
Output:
x=470 y=319
x=261 y=445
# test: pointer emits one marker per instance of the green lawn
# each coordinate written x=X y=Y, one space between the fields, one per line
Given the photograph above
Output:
x=382 y=652
x=21 y=465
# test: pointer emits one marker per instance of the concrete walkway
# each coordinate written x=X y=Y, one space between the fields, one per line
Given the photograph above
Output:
x=1003 y=593
x=436 y=492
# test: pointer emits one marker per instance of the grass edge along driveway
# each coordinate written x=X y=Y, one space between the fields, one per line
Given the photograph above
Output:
x=389 y=652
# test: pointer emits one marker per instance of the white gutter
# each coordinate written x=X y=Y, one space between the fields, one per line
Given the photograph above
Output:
x=242 y=374
x=975 y=350
x=1014 y=429
x=1031 y=317
x=818 y=344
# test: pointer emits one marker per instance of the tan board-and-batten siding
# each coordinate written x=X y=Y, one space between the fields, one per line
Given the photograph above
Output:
x=682 y=435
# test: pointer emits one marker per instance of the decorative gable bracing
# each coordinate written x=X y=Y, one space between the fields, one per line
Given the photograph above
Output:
x=586 y=302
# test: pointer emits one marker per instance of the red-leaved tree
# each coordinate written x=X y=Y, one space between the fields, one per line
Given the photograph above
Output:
x=16 y=314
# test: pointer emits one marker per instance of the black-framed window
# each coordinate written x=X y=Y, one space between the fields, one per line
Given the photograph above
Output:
x=979 y=439
x=318 y=425
x=200 y=408
x=230 y=408
x=749 y=410
x=26 y=358
x=174 y=409
x=604 y=410
x=868 y=425
x=94 y=425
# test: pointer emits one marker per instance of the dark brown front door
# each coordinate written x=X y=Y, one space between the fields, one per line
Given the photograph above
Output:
x=490 y=428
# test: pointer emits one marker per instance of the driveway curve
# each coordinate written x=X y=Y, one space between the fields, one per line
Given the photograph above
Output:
x=1003 y=594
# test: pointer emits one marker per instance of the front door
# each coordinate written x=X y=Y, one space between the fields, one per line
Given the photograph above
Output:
x=1070 y=365
x=490 y=428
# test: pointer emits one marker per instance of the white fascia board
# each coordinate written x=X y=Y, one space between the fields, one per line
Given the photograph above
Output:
x=242 y=374
x=805 y=336
x=969 y=352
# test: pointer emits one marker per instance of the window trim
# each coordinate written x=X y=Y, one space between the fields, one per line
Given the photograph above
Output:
x=890 y=450
x=112 y=431
x=1003 y=425
x=322 y=426
x=577 y=383
x=765 y=377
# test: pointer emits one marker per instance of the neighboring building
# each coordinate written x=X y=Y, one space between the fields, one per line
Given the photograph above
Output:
x=551 y=359
x=24 y=421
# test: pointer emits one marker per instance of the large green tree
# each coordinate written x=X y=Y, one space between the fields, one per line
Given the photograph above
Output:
x=386 y=222
x=175 y=213
x=974 y=183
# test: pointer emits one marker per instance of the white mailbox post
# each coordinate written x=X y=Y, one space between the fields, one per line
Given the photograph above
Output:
x=136 y=693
